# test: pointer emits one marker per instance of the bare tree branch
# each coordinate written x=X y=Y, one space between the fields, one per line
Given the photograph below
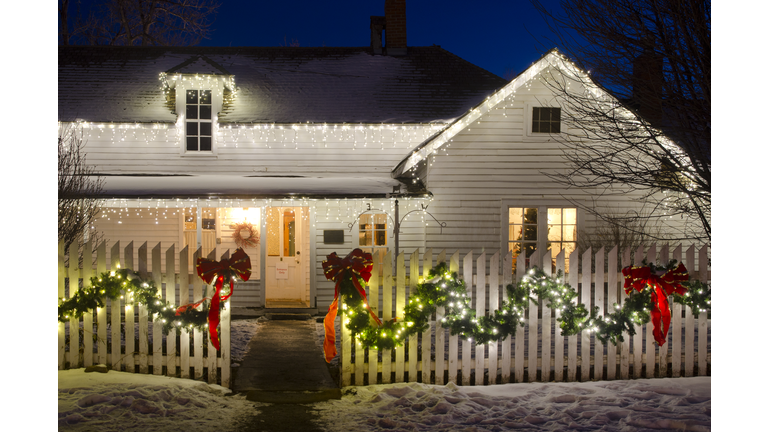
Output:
x=78 y=187
x=654 y=57
x=139 y=22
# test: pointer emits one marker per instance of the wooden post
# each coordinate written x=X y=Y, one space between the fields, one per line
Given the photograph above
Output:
x=650 y=341
x=703 y=321
x=690 y=326
x=573 y=280
x=373 y=303
x=157 y=325
x=677 y=325
x=637 y=341
x=439 y=337
x=116 y=308
x=399 y=310
x=61 y=296
x=586 y=289
x=520 y=333
x=506 y=344
x=143 y=315
x=386 y=305
x=74 y=323
x=599 y=302
x=87 y=271
x=184 y=361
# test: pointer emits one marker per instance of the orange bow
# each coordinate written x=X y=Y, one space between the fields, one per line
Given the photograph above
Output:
x=357 y=264
x=663 y=285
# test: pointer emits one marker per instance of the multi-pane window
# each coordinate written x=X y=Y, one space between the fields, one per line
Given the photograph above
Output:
x=546 y=120
x=525 y=224
x=199 y=120
x=373 y=234
x=561 y=232
x=523 y=232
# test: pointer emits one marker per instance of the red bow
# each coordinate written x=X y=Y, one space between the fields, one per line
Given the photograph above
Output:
x=357 y=264
x=663 y=286
x=238 y=265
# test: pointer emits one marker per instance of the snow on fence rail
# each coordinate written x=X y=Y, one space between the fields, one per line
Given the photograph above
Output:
x=130 y=340
x=537 y=352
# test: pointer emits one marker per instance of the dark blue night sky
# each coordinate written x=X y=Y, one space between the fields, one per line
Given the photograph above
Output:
x=504 y=37
x=495 y=35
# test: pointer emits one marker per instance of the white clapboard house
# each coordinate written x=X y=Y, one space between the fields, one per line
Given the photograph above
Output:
x=322 y=150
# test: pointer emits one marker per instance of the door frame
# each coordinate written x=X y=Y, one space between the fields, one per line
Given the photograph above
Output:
x=308 y=259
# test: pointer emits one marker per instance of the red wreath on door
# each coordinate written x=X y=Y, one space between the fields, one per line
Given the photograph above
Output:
x=245 y=235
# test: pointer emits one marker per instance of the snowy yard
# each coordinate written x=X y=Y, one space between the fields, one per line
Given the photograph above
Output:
x=121 y=401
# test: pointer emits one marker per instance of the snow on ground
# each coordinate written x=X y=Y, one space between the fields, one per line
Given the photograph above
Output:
x=124 y=401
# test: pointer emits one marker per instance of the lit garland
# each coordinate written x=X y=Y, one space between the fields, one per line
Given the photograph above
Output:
x=137 y=292
x=445 y=289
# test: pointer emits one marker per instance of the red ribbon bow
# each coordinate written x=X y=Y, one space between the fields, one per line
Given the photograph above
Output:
x=237 y=265
x=663 y=285
x=357 y=264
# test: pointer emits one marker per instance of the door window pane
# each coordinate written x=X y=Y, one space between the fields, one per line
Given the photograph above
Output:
x=289 y=233
x=273 y=231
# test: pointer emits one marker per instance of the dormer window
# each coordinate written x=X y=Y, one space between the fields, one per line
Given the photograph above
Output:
x=545 y=120
x=199 y=125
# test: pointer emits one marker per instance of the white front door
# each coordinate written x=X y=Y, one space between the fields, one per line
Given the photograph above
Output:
x=287 y=257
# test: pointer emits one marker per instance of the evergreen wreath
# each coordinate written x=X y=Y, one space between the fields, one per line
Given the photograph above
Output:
x=137 y=292
x=445 y=289
x=243 y=241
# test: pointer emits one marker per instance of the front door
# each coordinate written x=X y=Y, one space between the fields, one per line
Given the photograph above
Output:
x=287 y=258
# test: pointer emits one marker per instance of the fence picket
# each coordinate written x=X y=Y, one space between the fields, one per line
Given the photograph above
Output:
x=426 y=336
x=170 y=297
x=637 y=340
x=599 y=291
x=61 y=296
x=613 y=265
x=506 y=344
x=399 y=309
x=413 y=340
x=624 y=369
x=533 y=329
x=466 y=345
x=677 y=325
x=87 y=255
x=520 y=333
x=546 y=327
x=143 y=315
x=101 y=266
x=701 y=362
x=690 y=255
x=585 y=297
x=197 y=294
x=650 y=341
x=493 y=306
x=439 y=337
x=157 y=325
x=453 y=340
x=116 y=306
x=74 y=323
x=373 y=304
x=184 y=359
x=664 y=349
x=559 y=338
x=573 y=280
x=386 y=307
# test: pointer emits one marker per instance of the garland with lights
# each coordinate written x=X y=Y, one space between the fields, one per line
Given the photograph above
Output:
x=245 y=235
x=445 y=289
x=139 y=292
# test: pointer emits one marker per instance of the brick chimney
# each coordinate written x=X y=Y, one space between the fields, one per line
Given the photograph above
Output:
x=395 y=37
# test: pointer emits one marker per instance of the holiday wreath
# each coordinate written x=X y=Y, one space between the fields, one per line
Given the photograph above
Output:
x=445 y=289
x=245 y=235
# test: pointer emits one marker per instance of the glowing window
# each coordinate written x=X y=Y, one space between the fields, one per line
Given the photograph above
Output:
x=199 y=124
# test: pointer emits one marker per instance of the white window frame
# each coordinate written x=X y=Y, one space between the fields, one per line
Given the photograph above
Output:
x=528 y=120
x=542 y=206
x=216 y=88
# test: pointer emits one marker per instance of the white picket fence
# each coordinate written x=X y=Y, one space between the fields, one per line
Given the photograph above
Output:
x=537 y=352
x=125 y=337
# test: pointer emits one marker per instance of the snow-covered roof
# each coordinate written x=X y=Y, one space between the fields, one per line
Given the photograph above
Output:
x=275 y=84
x=145 y=186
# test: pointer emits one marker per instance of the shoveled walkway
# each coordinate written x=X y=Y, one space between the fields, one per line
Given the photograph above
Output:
x=284 y=364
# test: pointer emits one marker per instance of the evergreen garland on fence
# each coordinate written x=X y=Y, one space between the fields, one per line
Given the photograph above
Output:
x=110 y=285
x=445 y=289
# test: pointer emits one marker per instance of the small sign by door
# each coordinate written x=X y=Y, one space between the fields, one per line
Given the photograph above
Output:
x=281 y=270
